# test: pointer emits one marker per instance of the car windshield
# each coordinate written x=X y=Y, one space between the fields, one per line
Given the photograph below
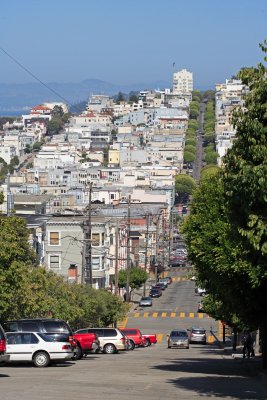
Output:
x=179 y=334
x=145 y=298
x=199 y=331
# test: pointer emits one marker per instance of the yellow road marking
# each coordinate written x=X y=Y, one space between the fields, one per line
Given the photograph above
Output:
x=178 y=279
x=136 y=315
x=210 y=339
x=122 y=324
x=159 y=337
x=173 y=315
x=183 y=279
x=155 y=314
x=191 y=315
x=164 y=315
x=182 y=315
x=146 y=314
x=200 y=315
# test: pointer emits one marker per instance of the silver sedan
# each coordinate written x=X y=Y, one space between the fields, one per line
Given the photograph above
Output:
x=145 y=302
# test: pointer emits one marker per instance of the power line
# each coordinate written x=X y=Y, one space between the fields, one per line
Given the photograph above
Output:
x=36 y=78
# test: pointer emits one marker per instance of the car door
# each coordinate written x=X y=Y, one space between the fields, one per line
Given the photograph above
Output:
x=21 y=345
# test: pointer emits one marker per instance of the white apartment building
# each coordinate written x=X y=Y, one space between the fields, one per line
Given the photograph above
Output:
x=182 y=81
x=7 y=153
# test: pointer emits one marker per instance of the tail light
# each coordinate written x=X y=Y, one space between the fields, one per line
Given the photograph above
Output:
x=66 y=347
x=2 y=345
x=123 y=339
x=72 y=341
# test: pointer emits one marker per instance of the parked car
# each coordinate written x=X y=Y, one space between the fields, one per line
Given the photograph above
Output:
x=160 y=286
x=149 y=339
x=197 y=335
x=178 y=338
x=134 y=335
x=169 y=279
x=50 y=326
x=145 y=302
x=164 y=281
x=155 y=292
x=111 y=340
x=38 y=348
x=4 y=357
x=85 y=343
x=200 y=307
x=200 y=291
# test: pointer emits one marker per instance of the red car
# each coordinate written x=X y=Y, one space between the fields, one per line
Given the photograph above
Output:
x=149 y=339
x=135 y=337
x=85 y=343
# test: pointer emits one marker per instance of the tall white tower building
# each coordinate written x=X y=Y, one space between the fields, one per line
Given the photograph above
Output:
x=182 y=81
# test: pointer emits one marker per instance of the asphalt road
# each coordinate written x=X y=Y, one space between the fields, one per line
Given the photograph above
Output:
x=146 y=373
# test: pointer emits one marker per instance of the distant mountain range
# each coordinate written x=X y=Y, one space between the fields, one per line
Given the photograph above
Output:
x=17 y=99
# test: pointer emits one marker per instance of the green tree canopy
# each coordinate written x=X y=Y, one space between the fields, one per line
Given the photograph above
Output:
x=191 y=142
x=137 y=275
x=211 y=157
x=184 y=184
x=189 y=157
x=190 y=148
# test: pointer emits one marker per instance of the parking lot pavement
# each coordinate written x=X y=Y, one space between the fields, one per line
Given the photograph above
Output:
x=148 y=373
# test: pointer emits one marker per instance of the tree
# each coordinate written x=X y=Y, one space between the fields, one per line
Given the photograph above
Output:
x=194 y=113
x=191 y=142
x=133 y=98
x=190 y=148
x=120 y=97
x=245 y=184
x=211 y=157
x=54 y=125
x=184 y=184
x=137 y=276
x=189 y=157
x=37 y=146
x=226 y=231
x=208 y=171
x=14 y=161
x=218 y=256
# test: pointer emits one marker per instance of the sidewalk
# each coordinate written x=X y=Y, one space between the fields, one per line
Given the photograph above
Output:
x=138 y=293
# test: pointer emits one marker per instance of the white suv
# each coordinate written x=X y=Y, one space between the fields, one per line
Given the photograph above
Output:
x=39 y=348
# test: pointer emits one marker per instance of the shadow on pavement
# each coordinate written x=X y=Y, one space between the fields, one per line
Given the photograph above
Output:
x=221 y=378
x=4 y=376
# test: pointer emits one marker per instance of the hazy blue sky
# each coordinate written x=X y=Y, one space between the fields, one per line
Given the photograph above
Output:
x=130 y=41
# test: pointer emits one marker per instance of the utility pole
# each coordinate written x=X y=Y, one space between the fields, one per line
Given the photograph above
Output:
x=88 y=276
x=156 y=250
x=116 y=258
x=128 y=260
x=146 y=248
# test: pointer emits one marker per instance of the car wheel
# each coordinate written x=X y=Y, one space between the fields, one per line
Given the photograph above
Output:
x=41 y=359
x=187 y=347
x=109 y=349
x=148 y=343
x=79 y=354
x=131 y=344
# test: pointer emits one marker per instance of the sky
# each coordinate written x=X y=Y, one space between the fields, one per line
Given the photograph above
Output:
x=130 y=41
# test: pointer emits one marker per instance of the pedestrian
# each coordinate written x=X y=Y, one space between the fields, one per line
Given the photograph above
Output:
x=248 y=345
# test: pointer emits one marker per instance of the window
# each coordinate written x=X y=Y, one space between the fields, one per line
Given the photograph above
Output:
x=103 y=239
x=95 y=239
x=54 y=238
x=111 y=239
x=110 y=332
x=112 y=196
x=95 y=263
x=54 y=261
x=55 y=326
x=29 y=326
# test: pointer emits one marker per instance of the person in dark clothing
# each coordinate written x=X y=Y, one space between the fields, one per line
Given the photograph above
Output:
x=248 y=346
